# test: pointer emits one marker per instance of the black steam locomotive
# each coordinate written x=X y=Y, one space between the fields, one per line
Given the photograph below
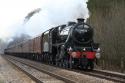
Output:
x=73 y=45
x=69 y=46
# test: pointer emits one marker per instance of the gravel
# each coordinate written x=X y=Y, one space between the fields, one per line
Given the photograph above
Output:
x=45 y=78
x=77 y=77
x=10 y=74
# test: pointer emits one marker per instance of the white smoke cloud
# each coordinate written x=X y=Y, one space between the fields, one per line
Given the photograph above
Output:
x=56 y=12
x=53 y=13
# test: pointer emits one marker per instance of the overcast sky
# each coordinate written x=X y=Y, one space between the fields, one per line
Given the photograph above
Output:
x=53 y=12
x=12 y=12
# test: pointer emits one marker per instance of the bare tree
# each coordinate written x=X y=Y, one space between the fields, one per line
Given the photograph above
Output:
x=107 y=18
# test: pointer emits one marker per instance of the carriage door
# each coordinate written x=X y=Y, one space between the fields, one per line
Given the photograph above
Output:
x=46 y=42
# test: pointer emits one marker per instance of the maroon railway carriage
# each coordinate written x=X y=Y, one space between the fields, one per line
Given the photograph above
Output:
x=69 y=45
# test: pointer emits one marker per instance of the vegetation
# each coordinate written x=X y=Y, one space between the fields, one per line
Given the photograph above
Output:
x=108 y=19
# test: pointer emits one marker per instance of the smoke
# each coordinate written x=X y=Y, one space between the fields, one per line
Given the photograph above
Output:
x=54 y=13
x=51 y=13
x=31 y=14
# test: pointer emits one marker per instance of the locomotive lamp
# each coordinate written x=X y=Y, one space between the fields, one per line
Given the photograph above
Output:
x=70 y=49
x=98 y=55
x=84 y=49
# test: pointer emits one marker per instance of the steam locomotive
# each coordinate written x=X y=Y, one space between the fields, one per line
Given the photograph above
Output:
x=69 y=46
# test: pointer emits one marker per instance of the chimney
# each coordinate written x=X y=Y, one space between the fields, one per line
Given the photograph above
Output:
x=71 y=23
x=80 y=20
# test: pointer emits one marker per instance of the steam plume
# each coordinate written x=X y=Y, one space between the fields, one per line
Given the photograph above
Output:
x=31 y=14
x=54 y=13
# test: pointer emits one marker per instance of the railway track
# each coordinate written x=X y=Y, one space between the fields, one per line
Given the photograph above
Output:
x=104 y=74
x=115 y=77
x=14 y=63
x=13 y=60
x=37 y=80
